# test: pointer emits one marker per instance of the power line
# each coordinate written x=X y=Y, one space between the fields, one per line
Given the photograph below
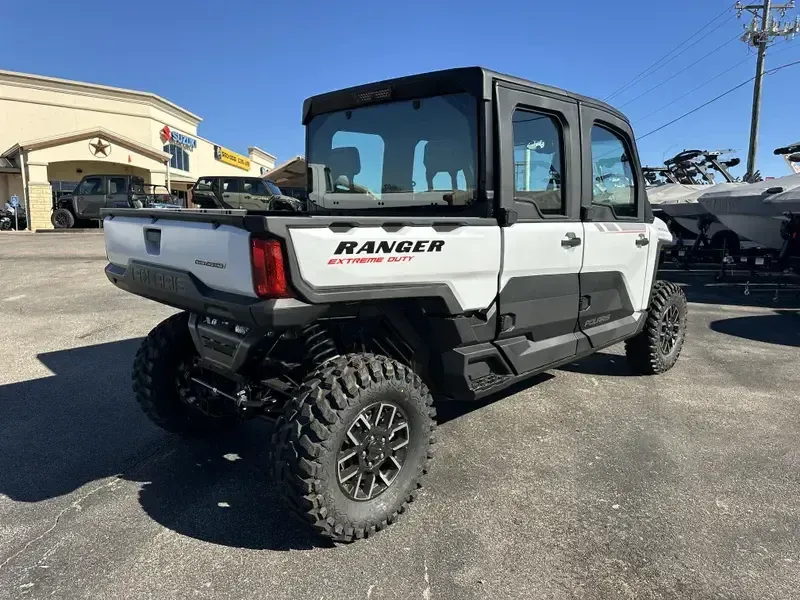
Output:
x=670 y=78
x=682 y=96
x=722 y=95
x=759 y=37
x=705 y=83
x=657 y=65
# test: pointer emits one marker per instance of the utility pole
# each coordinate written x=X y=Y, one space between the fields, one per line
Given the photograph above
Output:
x=759 y=35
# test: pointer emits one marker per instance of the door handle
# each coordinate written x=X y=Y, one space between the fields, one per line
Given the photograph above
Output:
x=571 y=241
x=642 y=240
x=248 y=197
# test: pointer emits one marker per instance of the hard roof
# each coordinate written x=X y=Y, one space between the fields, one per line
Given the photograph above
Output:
x=477 y=78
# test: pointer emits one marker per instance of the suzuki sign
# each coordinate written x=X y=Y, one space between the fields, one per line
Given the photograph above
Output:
x=176 y=137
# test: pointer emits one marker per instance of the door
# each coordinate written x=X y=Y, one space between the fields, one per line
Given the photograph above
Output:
x=90 y=197
x=255 y=194
x=117 y=196
x=543 y=249
x=231 y=192
x=615 y=264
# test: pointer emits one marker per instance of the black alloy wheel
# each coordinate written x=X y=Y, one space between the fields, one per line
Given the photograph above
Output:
x=670 y=329
x=373 y=451
x=353 y=445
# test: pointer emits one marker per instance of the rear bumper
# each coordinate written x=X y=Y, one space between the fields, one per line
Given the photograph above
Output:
x=182 y=290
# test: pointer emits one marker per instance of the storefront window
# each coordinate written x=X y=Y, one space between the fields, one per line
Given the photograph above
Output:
x=180 y=158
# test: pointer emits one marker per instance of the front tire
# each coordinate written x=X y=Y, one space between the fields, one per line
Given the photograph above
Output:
x=353 y=446
x=159 y=390
x=657 y=347
x=62 y=219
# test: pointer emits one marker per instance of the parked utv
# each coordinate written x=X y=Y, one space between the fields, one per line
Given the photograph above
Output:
x=96 y=192
x=248 y=193
x=498 y=229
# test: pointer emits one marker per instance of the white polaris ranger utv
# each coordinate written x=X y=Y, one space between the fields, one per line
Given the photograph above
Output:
x=490 y=228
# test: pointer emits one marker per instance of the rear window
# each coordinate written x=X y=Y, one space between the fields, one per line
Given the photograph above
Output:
x=407 y=155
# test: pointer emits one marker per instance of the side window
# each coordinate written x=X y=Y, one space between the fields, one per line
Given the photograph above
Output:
x=180 y=158
x=255 y=187
x=538 y=164
x=116 y=185
x=613 y=182
x=206 y=183
x=230 y=186
x=91 y=185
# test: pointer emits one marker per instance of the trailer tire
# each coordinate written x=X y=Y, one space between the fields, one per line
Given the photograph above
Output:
x=325 y=423
x=727 y=240
x=155 y=383
x=657 y=347
x=62 y=219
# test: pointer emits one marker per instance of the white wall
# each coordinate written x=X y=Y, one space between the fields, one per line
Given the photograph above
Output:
x=29 y=113
x=33 y=108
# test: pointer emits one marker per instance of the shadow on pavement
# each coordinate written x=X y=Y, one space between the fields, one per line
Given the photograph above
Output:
x=81 y=424
x=220 y=492
x=450 y=410
x=780 y=328
x=60 y=432
x=601 y=363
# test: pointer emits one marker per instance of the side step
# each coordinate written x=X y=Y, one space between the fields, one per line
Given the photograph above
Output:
x=471 y=372
x=486 y=383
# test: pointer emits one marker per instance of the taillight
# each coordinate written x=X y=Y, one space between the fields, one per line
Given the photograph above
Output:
x=269 y=271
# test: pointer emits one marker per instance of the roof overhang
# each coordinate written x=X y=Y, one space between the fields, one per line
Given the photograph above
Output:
x=293 y=172
x=86 y=134
x=93 y=89
x=6 y=166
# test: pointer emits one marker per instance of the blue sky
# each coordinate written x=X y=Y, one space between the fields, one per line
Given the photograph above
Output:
x=246 y=66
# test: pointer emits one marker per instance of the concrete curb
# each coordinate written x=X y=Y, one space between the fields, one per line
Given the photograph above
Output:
x=72 y=231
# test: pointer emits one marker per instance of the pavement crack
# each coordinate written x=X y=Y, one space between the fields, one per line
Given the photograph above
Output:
x=426 y=593
x=73 y=505
x=77 y=503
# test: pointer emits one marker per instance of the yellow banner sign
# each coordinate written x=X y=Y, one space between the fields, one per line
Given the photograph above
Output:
x=231 y=158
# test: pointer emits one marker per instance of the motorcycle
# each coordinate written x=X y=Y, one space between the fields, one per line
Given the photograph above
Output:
x=12 y=218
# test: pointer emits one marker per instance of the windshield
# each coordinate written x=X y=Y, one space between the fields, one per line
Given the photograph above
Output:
x=404 y=154
x=273 y=189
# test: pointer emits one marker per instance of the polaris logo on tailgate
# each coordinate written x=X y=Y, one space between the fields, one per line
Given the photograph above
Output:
x=386 y=247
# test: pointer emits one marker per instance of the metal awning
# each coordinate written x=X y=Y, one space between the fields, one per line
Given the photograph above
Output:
x=7 y=166
x=291 y=173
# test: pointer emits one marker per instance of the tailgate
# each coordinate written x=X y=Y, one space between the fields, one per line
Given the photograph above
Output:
x=218 y=255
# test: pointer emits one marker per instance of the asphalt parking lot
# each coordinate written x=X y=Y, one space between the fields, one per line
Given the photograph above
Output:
x=591 y=483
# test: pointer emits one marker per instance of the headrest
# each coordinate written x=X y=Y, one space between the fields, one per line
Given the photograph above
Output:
x=345 y=161
x=442 y=156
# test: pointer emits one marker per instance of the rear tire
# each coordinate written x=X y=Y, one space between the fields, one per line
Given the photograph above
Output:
x=156 y=385
x=657 y=347
x=62 y=219
x=337 y=446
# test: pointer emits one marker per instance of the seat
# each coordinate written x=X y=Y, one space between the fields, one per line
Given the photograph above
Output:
x=345 y=164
